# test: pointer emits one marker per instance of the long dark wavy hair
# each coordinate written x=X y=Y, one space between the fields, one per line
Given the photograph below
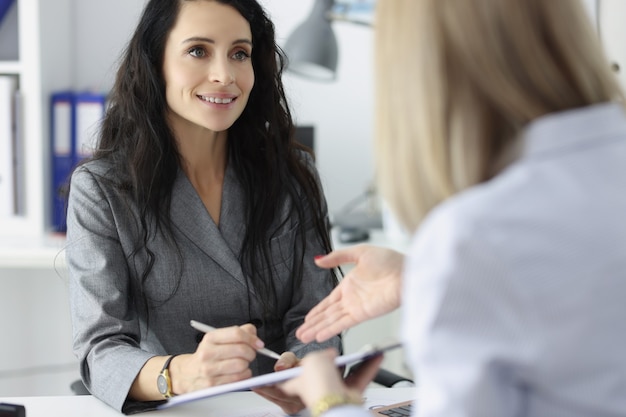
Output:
x=136 y=138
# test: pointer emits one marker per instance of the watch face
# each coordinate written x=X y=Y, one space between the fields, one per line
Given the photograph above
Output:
x=162 y=384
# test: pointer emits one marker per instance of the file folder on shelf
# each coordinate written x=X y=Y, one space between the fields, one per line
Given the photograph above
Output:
x=75 y=121
x=19 y=156
x=88 y=115
x=5 y=5
x=62 y=108
x=8 y=191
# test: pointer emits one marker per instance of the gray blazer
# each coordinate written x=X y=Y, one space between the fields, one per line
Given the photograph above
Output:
x=117 y=328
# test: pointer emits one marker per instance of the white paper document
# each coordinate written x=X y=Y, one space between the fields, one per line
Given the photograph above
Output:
x=275 y=377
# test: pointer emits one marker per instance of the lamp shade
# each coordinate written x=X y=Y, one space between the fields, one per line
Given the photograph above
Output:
x=312 y=47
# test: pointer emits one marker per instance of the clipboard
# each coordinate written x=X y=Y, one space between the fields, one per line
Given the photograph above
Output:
x=275 y=377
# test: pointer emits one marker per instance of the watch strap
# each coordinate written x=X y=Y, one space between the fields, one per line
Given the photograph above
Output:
x=165 y=374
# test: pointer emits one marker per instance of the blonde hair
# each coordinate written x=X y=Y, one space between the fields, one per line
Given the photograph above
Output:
x=458 y=80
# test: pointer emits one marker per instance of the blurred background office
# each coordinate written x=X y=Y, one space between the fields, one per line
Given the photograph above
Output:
x=35 y=333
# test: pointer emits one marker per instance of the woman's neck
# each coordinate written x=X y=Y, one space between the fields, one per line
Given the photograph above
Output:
x=204 y=160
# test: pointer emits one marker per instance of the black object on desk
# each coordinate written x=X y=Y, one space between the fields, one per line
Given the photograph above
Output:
x=12 y=410
x=353 y=234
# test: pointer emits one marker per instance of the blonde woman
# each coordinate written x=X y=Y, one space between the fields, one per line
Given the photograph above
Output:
x=502 y=145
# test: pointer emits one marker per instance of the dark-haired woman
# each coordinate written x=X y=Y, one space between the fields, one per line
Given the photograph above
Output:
x=197 y=205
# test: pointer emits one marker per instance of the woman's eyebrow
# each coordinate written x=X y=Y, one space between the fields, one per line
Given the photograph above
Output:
x=209 y=40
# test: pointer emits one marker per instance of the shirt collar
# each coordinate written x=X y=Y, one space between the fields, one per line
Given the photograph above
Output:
x=573 y=128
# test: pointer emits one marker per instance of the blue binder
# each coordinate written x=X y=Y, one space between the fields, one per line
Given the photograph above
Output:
x=5 y=5
x=75 y=121
x=62 y=152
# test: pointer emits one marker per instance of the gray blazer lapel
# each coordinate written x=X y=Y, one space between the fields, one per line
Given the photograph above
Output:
x=192 y=219
x=232 y=219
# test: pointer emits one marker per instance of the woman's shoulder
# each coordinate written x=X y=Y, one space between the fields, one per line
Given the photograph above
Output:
x=95 y=171
x=92 y=165
x=476 y=214
x=306 y=158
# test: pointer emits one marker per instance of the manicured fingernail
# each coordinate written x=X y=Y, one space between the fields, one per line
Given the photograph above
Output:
x=318 y=257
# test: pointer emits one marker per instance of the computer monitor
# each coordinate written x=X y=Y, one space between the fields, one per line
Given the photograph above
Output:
x=306 y=136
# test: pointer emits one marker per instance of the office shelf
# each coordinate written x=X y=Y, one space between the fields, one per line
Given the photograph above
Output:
x=10 y=67
x=40 y=35
x=43 y=253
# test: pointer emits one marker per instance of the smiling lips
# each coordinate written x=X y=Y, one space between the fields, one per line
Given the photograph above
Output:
x=217 y=100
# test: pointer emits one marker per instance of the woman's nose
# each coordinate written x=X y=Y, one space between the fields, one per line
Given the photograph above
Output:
x=221 y=72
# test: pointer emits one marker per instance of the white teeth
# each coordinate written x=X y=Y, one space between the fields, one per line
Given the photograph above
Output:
x=217 y=100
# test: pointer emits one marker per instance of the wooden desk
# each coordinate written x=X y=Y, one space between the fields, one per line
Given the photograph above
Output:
x=237 y=404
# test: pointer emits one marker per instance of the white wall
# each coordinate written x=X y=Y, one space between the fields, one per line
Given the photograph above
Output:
x=612 y=30
x=608 y=16
x=102 y=29
x=341 y=111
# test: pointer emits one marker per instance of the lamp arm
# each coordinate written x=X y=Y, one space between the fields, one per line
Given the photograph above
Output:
x=342 y=12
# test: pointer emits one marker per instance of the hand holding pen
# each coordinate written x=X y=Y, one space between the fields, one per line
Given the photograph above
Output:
x=206 y=328
x=222 y=356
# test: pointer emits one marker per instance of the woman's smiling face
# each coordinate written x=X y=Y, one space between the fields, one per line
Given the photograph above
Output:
x=207 y=66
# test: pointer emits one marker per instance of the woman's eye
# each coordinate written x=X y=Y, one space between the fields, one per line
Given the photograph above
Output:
x=197 y=52
x=241 y=55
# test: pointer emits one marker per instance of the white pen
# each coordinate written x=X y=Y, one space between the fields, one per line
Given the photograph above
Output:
x=206 y=328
